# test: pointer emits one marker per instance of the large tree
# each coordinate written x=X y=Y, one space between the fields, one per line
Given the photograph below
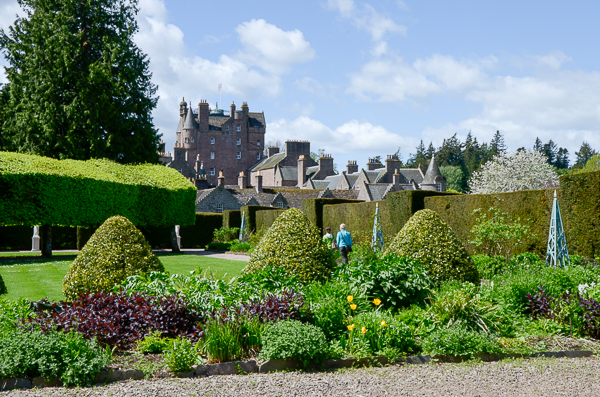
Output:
x=583 y=155
x=78 y=85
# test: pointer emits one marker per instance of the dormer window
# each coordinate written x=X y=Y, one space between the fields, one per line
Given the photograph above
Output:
x=439 y=187
x=219 y=208
x=239 y=141
x=212 y=141
x=238 y=128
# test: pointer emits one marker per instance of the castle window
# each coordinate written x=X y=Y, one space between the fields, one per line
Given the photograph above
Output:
x=239 y=155
x=258 y=143
x=187 y=140
x=212 y=155
x=192 y=139
x=219 y=208
x=439 y=187
x=227 y=127
x=258 y=156
x=239 y=141
x=238 y=128
x=212 y=141
x=212 y=172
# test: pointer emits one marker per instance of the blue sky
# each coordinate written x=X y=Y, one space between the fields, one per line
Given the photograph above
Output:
x=361 y=79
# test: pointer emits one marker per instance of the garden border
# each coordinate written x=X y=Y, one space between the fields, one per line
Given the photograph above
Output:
x=273 y=365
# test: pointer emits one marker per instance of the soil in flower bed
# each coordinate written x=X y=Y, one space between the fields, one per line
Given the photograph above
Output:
x=152 y=365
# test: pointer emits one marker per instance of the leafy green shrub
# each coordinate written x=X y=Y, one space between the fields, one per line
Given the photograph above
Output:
x=222 y=341
x=459 y=340
x=225 y=234
x=398 y=282
x=153 y=343
x=115 y=251
x=3 y=289
x=330 y=307
x=69 y=356
x=181 y=355
x=218 y=246
x=427 y=238
x=294 y=244
x=240 y=247
x=272 y=280
x=383 y=333
x=488 y=266
x=293 y=339
x=12 y=311
x=464 y=306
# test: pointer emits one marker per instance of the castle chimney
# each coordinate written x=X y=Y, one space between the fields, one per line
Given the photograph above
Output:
x=244 y=111
x=325 y=165
x=232 y=110
x=221 y=179
x=301 y=170
x=259 y=188
x=392 y=163
x=198 y=164
x=272 y=150
x=396 y=179
x=373 y=164
x=242 y=180
x=351 y=167
x=203 y=112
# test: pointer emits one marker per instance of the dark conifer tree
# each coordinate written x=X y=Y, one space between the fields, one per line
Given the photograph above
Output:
x=583 y=155
x=497 y=145
x=78 y=85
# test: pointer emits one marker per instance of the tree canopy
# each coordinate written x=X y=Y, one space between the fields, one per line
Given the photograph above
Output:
x=78 y=86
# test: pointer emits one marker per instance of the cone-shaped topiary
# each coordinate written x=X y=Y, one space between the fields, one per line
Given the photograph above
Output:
x=3 y=289
x=294 y=244
x=115 y=251
x=428 y=238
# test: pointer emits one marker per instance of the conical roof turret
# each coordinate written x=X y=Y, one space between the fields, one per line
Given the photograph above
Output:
x=433 y=171
x=190 y=123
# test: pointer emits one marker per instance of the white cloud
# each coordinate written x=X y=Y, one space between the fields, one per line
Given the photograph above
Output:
x=352 y=136
x=271 y=48
x=553 y=60
x=369 y=20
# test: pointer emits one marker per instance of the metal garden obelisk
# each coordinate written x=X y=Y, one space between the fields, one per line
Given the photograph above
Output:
x=556 y=253
x=377 y=238
x=243 y=228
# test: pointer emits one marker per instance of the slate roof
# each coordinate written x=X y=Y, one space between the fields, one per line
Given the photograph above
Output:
x=216 y=123
x=373 y=176
x=321 y=184
x=256 y=119
x=178 y=126
x=289 y=173
x=190 y=122
x=352 y=179
x=377 y=191
x=409 y=174
x=310 y=171
x=433 y=171
x=269 y=162
x=332 y=181
x=346 y=194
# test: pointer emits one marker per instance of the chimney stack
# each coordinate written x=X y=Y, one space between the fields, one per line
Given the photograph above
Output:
x=301 y=170
x=259 y=188
x=373 y=164
x=221 y=179
x=198 y=164
x=396 y=179
x=392 y=163
x=272 y=150
x=352 y=167
x=242 y=180
x=232 y=111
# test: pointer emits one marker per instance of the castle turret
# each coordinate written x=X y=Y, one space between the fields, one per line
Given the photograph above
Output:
x=433 y=179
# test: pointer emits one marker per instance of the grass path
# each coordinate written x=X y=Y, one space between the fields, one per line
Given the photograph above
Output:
x=34 y=279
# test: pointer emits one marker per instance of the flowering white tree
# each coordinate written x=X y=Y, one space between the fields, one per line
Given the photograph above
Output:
x=509 y=172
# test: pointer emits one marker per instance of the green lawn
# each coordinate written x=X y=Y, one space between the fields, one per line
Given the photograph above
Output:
x=34 y=279
x=14 y=254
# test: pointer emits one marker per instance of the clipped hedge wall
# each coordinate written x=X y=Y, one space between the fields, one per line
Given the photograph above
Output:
x=534 y=207
x=232 y=218
x=250 y=211
x=38 y=190
x=580 y=208
x=201 y=233
x=313 y=209
x=264 y=219
x=394 y=212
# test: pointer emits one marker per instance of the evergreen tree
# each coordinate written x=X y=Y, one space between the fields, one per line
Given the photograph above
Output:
x=418 y=159
x=450 y=154
x=497 y=145
x=78 y=85
x=472 y=154
x=538 y=146
x=550 y=151
x=430 y=152
x=562 y=159
x=583 y=155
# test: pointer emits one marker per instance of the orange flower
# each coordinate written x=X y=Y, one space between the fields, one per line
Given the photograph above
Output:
x=353 y=306
x=377 y=302
x=351 y=327
x=363 y=330
x=350 y=298
x=383 y=323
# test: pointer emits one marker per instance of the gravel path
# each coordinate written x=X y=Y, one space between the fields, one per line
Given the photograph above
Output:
x=534 y=377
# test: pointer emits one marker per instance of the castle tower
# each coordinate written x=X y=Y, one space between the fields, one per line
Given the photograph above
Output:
x=433 y=178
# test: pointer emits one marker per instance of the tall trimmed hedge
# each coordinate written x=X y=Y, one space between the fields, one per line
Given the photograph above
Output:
x=232 y=218
x=265 y=218
x=394 y=212
x=313 y=209
x=38 y=190
x=534 y=207
x=250 y=212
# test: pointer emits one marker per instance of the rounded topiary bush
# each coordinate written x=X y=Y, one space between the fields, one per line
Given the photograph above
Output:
x=428 y=238
x=294 y=244
x=115 y=251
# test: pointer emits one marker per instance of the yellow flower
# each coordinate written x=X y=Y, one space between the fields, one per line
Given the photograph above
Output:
x=350 y=298
x=353 y=306
x=363 y=330
x=351 y=327
x=383 y=323
x=377 y=302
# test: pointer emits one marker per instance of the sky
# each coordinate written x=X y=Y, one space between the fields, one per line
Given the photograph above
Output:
x=361 y=79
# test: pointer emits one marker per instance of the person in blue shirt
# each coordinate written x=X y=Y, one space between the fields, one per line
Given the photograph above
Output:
x=344 y=242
